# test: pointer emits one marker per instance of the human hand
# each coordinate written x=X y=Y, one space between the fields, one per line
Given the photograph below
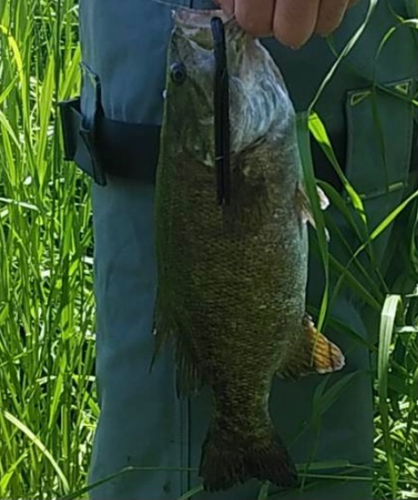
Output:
x=292 y=22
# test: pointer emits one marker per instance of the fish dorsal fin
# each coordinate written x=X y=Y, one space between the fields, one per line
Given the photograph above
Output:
x=305 y=207
x=315 y=354
x=168 y=326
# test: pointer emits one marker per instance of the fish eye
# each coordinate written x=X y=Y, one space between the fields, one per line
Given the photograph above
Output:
x=178 y=73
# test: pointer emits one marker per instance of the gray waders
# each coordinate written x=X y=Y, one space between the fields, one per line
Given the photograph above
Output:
x=112 y=134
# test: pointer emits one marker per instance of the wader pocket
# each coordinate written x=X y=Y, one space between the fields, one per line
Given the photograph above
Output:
x=100 y=145
x=80 y=130
x=380 y=129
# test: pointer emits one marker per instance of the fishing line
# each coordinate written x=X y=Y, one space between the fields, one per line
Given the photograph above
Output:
x=221 y=114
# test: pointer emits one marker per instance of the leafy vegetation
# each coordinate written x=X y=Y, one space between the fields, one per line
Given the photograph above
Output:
x=48 y=406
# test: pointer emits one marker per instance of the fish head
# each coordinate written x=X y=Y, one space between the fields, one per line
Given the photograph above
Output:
x=258 y=99
x=190 y=83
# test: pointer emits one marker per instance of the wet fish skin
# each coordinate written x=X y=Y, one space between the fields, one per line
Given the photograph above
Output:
x=232 y=279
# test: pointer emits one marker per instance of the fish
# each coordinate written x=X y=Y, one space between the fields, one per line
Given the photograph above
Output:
x=232 y=270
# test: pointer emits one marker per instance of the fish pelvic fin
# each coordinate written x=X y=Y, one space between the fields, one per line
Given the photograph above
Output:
x=226 y=462
x=316 y=354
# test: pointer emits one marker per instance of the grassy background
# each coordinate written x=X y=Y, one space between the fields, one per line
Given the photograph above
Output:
x=48 y=407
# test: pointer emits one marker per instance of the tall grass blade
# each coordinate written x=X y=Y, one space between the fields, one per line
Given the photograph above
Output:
x=36 y=441
x=387 y=323
x=311 y=189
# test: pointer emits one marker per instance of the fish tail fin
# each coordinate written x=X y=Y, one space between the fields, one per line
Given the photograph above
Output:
x=316 y=355
x=226 y=462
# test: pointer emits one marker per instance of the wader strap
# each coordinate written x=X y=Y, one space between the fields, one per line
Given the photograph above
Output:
x=128 y=150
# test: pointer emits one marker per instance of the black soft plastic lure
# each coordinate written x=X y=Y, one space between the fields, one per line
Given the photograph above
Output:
x=221 y=112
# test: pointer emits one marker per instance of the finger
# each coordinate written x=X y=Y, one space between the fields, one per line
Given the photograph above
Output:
x=227 y=6
x=330 y=15
x=255 y=16
x=294 y=21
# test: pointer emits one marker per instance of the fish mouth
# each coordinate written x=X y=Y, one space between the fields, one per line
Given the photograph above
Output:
x=193 y=18
x=192 y=23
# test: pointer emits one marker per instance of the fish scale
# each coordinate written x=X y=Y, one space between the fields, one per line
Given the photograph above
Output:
x=232 y=278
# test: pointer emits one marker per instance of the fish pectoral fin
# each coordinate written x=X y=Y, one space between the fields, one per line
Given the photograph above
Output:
x=316 y=354
x=305 y=207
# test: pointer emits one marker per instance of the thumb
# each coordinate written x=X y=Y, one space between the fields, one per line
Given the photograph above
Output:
x=227 y=6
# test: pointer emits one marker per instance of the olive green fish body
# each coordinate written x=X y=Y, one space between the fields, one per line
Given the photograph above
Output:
x=231 y=278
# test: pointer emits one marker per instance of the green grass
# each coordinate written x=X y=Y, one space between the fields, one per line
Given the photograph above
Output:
x=48 y=405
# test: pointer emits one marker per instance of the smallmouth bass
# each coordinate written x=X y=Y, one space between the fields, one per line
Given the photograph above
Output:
x=232 y=276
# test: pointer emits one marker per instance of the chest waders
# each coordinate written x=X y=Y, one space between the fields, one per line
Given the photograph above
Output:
x=112 y=133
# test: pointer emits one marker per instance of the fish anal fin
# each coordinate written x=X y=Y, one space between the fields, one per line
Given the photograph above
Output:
x=316 y=354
